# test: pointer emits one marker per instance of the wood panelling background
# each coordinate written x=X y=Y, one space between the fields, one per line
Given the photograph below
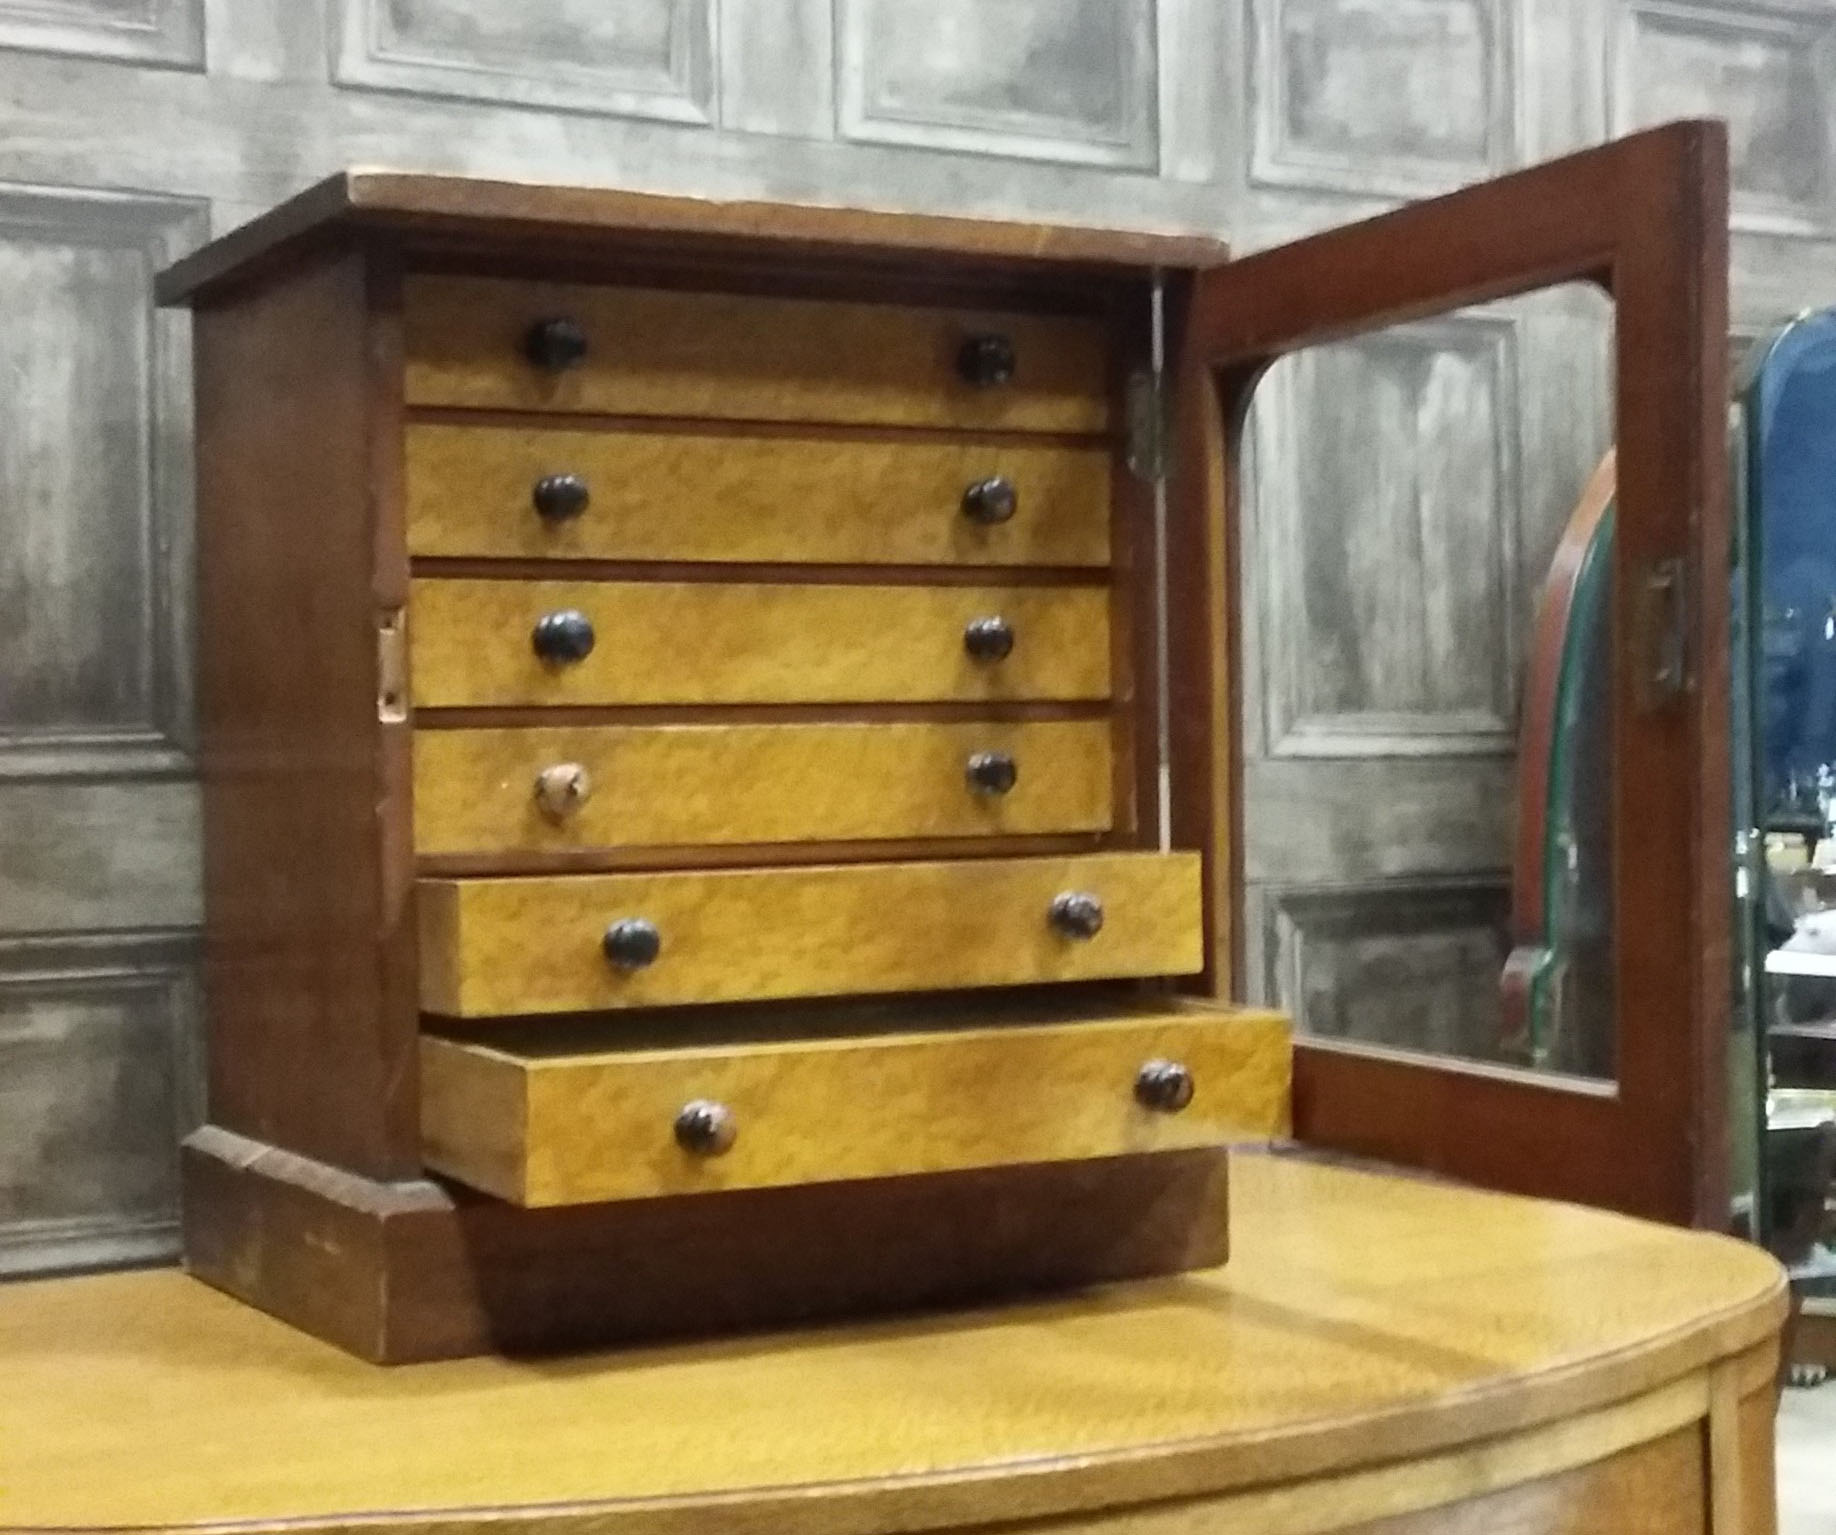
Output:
x=1378 y=793
x=1390 y=578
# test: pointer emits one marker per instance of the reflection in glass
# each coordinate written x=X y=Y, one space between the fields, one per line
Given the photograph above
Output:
x=1785 y=780
x=1405 y=491
x=1559 y=979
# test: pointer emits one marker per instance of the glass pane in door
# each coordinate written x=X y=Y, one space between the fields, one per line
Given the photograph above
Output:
x=1422 y=609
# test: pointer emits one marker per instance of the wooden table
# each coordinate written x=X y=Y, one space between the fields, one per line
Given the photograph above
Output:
x=1383 y=1355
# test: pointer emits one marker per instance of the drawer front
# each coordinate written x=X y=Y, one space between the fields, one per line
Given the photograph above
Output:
x=474 y=642
x=653 y=352
x=542 y=789
x=582 y=942
x=576 y=1129
x=690 y=495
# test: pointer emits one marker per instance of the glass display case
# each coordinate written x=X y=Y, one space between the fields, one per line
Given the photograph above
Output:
x=1785 y=782
x=1782 y=1043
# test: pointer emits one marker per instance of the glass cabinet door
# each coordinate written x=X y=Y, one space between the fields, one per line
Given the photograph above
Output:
x=1785 y=786
x=1603 y=1077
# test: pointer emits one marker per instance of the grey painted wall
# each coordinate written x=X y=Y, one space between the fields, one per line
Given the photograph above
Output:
x=132 y=129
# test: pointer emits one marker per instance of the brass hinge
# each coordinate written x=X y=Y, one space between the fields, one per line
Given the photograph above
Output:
x=1148 y=428
x=1662 y=634
x=391 y=667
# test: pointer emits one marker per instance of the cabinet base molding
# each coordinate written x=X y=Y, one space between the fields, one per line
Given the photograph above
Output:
x=400 y=1272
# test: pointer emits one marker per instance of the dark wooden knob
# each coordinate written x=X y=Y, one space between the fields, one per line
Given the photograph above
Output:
x=563 y=637
x=1163 y=1086
x=560 y=497
x=705 y=1128
x=1076 y=914
x=556 y=344
x=986 y=361
x=632 y=943
x=992 y=772
x=989 y=639
x=991 y=500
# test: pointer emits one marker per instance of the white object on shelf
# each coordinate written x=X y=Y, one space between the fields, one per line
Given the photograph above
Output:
x=1802 y=962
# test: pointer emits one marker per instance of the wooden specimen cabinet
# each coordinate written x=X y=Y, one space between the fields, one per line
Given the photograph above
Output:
x=720 y=791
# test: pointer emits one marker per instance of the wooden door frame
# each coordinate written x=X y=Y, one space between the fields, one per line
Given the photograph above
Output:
x=1645 y=218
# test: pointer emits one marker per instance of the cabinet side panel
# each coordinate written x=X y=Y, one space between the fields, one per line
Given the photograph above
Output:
x=1204 y=680
x=311 y=1039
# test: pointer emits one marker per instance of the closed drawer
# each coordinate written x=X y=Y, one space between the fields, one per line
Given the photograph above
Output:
x=652 y=352
x=532 y=493
x=550 y=1125
x=542 y=789
x=666 y=642
x=579 y=942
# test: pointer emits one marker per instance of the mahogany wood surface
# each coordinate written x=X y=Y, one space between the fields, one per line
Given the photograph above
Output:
x=454 y=208
x=1646 y=217
x=309 y=940
x=1378 y=1349
x=415 y=1270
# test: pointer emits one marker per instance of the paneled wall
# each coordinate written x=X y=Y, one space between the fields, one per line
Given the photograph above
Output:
x=1384 y=627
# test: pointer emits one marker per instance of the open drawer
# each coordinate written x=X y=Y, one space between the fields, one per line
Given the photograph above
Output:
x=582 y=943
x=567 y=1116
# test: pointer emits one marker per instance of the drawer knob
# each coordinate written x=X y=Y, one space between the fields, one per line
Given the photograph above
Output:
x=986 y=360
x=563 y=637
x=992 y=772
x=556 y=344
x=705 y=1128
x=1163 y=1086
x=560 y=497
x=1076 y=914
x=632 y=943
x=991 y=501
x=989 y=639
x=562 y=789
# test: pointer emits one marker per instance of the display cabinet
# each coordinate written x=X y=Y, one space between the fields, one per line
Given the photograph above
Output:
x=719 y=737
x=1785 y=645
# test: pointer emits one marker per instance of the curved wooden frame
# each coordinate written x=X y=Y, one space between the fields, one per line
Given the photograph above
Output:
x=1536 y=737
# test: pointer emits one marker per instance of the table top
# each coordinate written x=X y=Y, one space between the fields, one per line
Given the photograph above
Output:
x=1361 y=1319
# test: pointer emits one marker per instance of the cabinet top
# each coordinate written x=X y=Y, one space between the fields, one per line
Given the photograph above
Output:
x=454 y=212
x=1360 y=1320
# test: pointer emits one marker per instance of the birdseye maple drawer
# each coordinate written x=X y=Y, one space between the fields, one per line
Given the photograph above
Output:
x=557 y=1122
x=487 y=342
x=478 y=642
x=576 y=943
x=536 y=789
x=692 y=495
